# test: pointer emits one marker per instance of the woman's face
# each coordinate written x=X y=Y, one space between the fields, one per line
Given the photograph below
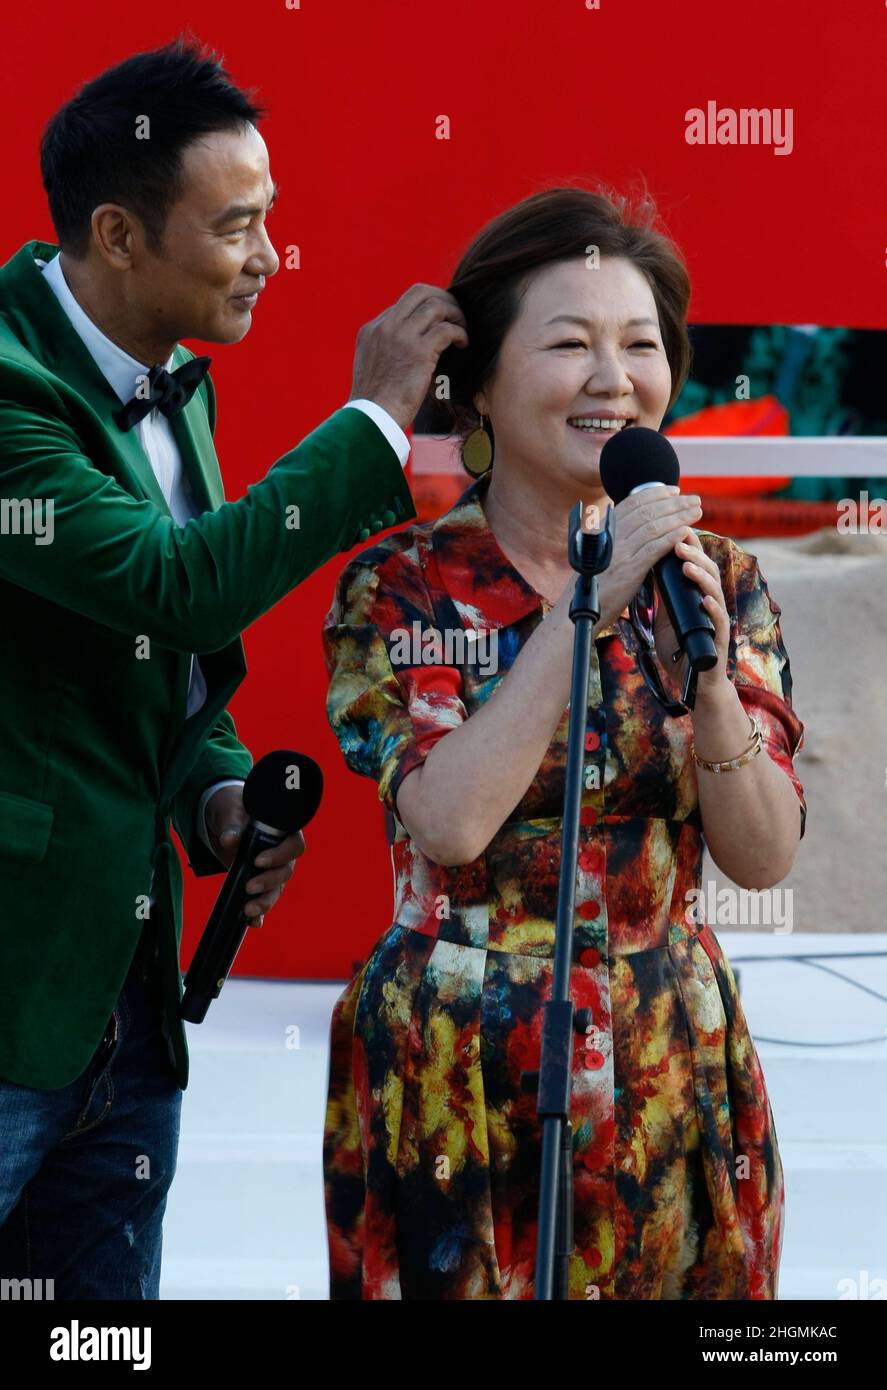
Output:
x=585 y=341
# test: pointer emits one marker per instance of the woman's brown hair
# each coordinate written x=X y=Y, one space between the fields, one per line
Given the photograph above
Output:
x=556 y=224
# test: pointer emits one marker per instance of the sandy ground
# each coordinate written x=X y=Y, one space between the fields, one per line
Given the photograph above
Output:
x=832 y=590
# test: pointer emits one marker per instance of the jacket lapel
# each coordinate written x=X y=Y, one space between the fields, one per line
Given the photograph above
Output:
x=47 y=335
x=191 y=431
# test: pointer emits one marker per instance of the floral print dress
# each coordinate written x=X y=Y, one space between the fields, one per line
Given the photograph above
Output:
x=432 y=1144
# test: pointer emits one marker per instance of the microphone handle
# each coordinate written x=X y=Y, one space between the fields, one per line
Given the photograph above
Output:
x=227 y=925
x=692 y=626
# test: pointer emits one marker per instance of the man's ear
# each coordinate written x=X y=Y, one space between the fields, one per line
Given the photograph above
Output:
x=114 y=235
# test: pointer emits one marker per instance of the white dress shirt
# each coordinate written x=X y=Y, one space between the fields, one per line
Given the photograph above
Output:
x=124 y=374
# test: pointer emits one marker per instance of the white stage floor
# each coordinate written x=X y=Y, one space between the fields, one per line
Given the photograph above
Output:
x=245 y=1214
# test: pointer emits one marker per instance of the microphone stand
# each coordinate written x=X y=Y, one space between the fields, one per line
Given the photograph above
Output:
x=590 y=553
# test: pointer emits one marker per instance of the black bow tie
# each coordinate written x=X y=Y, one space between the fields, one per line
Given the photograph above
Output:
x=167 y=391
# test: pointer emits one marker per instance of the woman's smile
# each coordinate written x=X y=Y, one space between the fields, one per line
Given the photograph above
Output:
x=599 y=427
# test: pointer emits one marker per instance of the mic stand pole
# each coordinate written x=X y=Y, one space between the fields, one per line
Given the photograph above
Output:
x=590 y=553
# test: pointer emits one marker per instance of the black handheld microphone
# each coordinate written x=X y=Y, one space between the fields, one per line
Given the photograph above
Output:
x=280 y=795
x=639 y=458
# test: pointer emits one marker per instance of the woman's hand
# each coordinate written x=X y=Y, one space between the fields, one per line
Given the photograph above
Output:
x=703 y=570
x=647 y=525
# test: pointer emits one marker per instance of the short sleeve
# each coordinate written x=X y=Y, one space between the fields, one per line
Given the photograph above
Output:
x=385 y=704
x=759 y=666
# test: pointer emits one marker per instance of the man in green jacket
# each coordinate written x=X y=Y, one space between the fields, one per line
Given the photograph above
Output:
x=126 y=580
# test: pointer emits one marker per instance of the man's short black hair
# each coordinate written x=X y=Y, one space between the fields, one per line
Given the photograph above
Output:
x=94 y=149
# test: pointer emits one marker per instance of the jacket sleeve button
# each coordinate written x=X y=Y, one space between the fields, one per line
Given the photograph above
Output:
x=388 y=518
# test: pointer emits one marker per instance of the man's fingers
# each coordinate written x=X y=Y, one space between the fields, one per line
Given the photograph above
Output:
x=447 y=335
x=290 y=848
x=258 y=906
x=274 y=867
x=270 y=878
x=432 y=299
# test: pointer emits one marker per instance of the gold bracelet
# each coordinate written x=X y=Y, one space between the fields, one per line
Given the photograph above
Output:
x=731 y=764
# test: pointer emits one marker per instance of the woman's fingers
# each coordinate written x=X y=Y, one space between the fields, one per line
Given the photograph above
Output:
x=656 y=516
x=649 y=525
x=691 y=551
x=704 y=572
x=651 y=522
x=655 y=550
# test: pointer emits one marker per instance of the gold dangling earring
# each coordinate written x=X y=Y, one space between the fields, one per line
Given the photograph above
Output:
x=477 y=451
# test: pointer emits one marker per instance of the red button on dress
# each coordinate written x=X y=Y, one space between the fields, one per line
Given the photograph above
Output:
x=592 y=741
x=588 y=911
x=590 y=956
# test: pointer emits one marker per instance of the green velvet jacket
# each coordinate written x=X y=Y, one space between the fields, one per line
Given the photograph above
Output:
x=98 y=757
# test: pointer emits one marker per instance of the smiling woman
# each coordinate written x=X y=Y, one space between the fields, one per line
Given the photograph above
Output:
x=432 y=1144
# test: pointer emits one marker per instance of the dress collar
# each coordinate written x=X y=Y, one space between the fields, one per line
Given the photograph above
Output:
x=475 y=571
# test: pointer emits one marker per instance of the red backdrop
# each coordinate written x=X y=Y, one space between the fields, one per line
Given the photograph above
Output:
x=536 y=93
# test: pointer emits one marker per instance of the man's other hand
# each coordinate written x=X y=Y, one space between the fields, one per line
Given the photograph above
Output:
x=225 y=819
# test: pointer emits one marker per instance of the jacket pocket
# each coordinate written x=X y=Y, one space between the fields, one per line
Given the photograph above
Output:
x=25 y=826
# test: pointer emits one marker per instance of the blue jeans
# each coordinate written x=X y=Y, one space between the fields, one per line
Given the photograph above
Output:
x=85 y=1170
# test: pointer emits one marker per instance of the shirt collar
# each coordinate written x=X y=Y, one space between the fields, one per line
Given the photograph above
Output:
x=121 y=371
x=475 y=571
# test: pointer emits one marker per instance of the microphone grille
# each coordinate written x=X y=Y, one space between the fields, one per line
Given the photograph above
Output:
x=637 y=455
x=283 y=790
